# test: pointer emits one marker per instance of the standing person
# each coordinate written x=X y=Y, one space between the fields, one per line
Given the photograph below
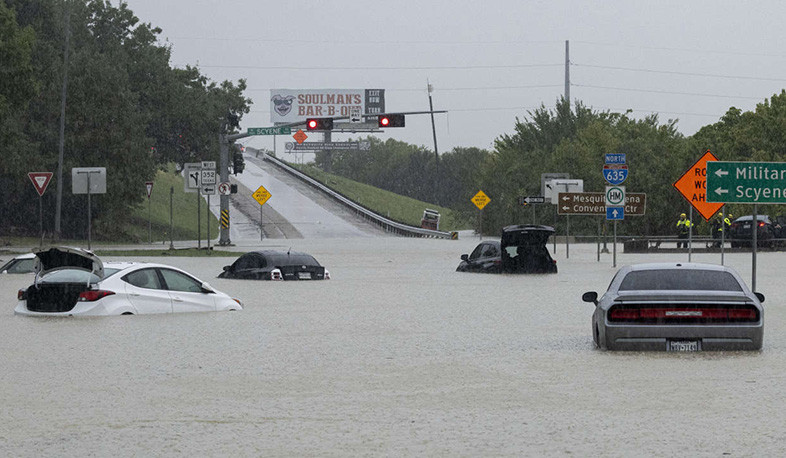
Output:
x=717 y=229
x=683 y=227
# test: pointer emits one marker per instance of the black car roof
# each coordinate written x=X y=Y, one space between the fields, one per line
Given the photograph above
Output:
x=284 y=257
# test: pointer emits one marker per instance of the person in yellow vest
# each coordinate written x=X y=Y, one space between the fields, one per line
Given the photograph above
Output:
x=683 y=227
x=719 y=226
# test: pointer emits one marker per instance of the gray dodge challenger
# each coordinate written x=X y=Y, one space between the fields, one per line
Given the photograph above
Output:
x=677 y=307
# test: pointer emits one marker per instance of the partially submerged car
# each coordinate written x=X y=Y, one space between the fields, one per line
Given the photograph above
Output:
x=75 y=282
x=677 y=307
x=275 y=265
x=521 y=249
x=21 y=264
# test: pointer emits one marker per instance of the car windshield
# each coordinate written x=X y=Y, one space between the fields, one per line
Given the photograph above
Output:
x=680 y=279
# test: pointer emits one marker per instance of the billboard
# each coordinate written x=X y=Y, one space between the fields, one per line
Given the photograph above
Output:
x=295 y=105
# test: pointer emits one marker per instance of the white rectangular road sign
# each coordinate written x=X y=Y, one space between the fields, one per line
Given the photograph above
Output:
x=208 y=190
x=97 y=180
x=207 y=177
x=192 y=172
x=209 y=165
x=555 y=186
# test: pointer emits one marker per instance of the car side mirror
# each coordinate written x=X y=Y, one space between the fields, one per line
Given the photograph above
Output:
x=226 y=268
x=464 y=257
x=590 y=296
x=206 y=288
x=760 y=297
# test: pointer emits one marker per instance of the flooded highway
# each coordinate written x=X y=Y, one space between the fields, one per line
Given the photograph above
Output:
x=398 y=354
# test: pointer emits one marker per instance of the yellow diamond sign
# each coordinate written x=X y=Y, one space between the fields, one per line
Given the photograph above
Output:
x=480 y=200
x=261 y=195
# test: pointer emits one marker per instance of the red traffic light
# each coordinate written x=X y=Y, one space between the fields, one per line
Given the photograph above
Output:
x=319 y=124
x=392 y=120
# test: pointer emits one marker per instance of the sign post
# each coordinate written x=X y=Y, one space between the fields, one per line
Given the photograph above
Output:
x=261 y=195
x=82 y=184
x=480 y=200
x=693 y=187
x=40 y=182
x=149 y=186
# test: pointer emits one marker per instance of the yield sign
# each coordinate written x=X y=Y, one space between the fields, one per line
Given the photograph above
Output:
x=149 y=186
x=693 y=186
x=40 y=181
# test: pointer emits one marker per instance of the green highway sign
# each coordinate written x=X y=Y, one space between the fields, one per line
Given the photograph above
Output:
x=269 y=130
x=746 y=182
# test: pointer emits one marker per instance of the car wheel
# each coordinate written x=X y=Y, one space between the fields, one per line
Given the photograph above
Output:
x=126 y=313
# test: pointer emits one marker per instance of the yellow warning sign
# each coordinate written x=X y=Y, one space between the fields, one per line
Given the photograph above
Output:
x=261 y=195
x=480 y=200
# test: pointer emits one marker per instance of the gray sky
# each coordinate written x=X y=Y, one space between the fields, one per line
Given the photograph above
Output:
x=489 y=61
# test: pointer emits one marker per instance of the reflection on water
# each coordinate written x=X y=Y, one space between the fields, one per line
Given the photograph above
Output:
x=396 y=354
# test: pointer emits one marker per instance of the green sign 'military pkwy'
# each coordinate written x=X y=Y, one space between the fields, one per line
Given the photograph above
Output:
x=746 y=182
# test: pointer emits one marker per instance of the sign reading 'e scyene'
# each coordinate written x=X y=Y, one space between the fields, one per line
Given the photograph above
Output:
x=746 y=182
x=693 y=186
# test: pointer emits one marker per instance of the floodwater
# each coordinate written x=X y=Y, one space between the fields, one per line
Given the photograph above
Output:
x=396 y=355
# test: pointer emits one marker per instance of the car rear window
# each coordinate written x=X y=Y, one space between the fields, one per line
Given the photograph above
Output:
x=679 y=279
x=70 y=276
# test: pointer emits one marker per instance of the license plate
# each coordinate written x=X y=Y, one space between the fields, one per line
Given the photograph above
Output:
x=304 y=275
x=746 y=226
x=683 y=345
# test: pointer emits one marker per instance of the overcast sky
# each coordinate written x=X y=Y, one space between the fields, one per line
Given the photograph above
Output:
x=489 y=61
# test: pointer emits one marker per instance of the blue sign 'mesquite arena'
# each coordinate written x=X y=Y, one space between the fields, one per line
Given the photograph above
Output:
x=615 y=174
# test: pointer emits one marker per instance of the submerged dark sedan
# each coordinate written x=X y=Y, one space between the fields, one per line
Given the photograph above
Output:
x=521 y=249
x=275 y=265
x=677 y=307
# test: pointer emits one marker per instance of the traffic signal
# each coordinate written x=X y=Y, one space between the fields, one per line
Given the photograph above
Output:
x=238 y=164
x=391 y=120
x=319 y=124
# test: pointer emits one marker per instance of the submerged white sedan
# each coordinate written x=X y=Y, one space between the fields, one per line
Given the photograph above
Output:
x=75 y=282
x=677 y=307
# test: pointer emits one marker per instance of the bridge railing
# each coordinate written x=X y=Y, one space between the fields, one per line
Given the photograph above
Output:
x=387 y=224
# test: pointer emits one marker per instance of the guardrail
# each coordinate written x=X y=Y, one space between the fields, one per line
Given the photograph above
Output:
x=387 y=224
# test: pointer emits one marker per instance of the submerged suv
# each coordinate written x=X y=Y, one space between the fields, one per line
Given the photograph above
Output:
x=741 y=233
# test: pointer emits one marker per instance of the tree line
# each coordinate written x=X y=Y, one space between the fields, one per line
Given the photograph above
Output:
x=572 y=139
x=127 y=109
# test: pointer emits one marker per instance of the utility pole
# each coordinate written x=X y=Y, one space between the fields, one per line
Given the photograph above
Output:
x=434 y=133
x=59 y=199
x=567 y=71
x=433 y=129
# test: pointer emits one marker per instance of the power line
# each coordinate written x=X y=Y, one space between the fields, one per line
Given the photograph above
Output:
x=478 y=88
x=693 y=50
x=366 y=42
x=668 y=72
x=668 y=92
x=446 y=67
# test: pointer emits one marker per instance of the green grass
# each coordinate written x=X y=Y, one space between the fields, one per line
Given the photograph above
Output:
x=184 y=212
x=394 y=206
x=180 y=252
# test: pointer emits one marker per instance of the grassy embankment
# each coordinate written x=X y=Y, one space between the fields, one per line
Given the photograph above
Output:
x=394 y=206
x=184 y=212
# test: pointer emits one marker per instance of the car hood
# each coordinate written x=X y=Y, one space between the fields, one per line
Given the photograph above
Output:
x=60 y=257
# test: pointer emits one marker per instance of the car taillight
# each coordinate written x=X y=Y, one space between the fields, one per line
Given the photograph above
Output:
x=94 y=295
x=693 y=314
x=21 y=295
x=761 y=223
x=623 y=314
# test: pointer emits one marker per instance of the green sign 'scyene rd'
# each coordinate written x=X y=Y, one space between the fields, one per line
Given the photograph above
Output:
x=746 y=182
